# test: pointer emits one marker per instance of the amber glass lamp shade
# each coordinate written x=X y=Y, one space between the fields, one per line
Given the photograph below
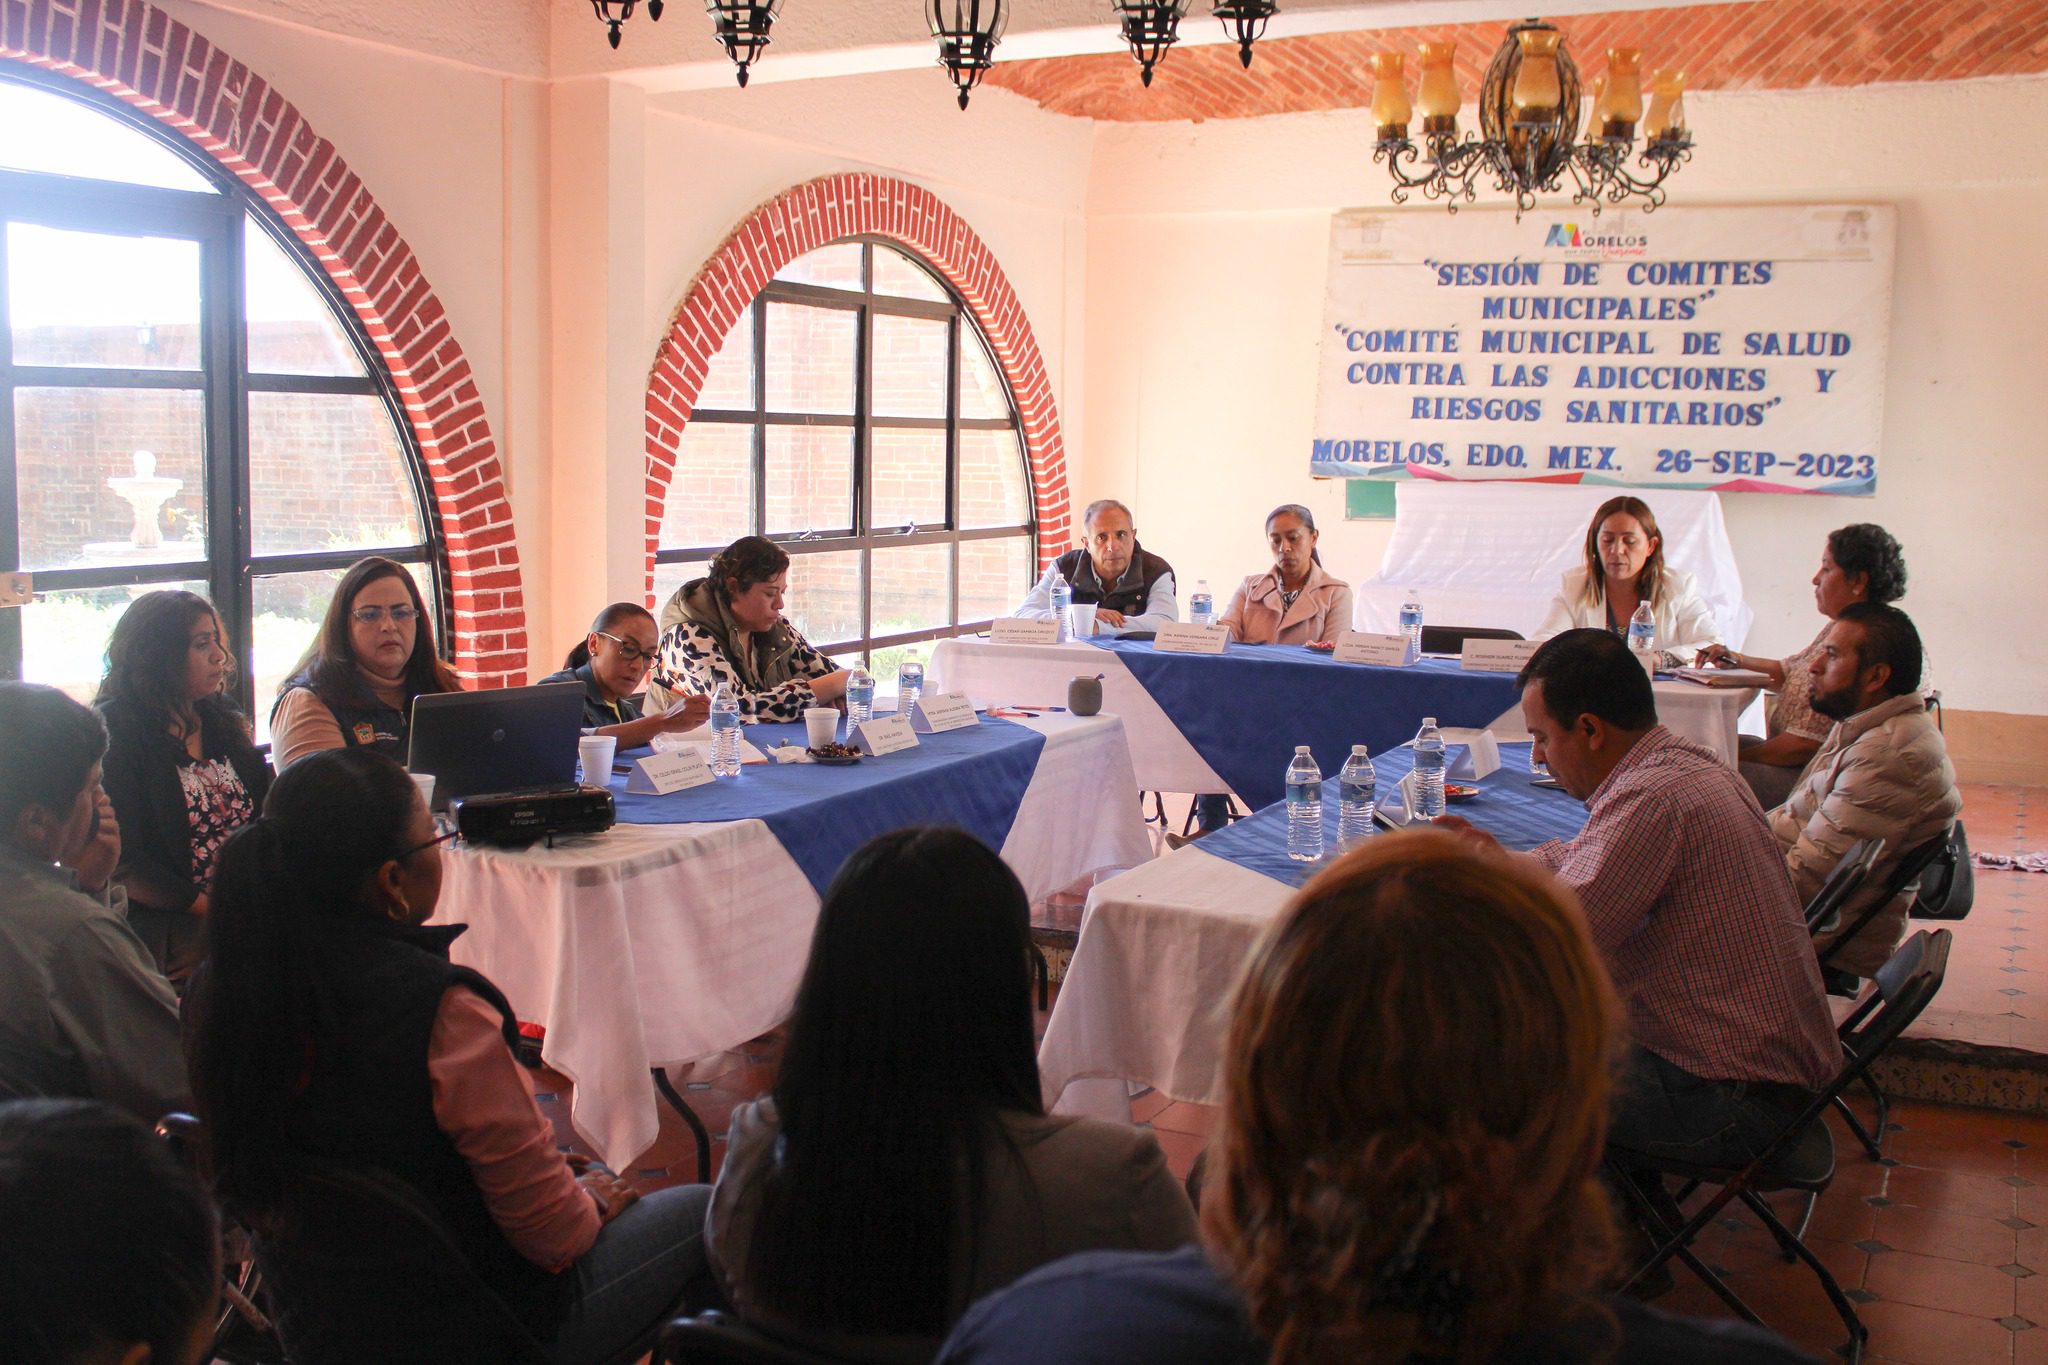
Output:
x=1599 y=119
x=1537 y=93
x=1438 y=97
x=1666 y=118
x=1390 y=106
x=1624 y=92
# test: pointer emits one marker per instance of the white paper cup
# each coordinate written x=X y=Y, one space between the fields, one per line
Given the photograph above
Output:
x=821 y=725
x=1082 y=616
x=425 y=782
x=596 y=753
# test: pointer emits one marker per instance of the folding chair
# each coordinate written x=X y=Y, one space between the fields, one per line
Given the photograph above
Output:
x=1891 y=980
x=242 y=1331
x=713 y=1338
x=1801 y=1157
x=1904 y=875
x=1851 y=870
x=1451 y=639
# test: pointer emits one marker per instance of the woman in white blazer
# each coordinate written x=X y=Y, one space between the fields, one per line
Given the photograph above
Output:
x=1624 y=568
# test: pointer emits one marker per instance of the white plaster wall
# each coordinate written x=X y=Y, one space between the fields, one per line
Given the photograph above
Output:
x=1205 y=272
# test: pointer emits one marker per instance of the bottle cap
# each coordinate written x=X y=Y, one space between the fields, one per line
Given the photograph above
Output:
x=1359 y=751
x=1429 y=720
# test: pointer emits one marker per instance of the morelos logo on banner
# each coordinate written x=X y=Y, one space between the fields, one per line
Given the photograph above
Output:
x=1739 y=349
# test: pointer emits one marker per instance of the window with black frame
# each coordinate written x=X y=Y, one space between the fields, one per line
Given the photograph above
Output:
x=855 y=416
x=185 y=401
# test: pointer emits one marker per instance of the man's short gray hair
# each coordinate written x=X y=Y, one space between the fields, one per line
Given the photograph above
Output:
x=1101 y=505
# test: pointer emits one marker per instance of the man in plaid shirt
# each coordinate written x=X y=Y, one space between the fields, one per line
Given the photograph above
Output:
x=1686 y=892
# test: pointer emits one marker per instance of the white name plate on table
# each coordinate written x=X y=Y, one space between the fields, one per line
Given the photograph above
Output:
x=1497 y=656
x=1016 y=630
x=673 y=771
x=887 y=735
x=1363 y=647
x=936 y=712
x=1185 y=637
x=1471 y=754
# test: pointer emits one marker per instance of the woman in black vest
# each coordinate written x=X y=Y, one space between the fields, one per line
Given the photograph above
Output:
x=181 y=768
x=355 y=685
x=333 y=1042
x=612 y=663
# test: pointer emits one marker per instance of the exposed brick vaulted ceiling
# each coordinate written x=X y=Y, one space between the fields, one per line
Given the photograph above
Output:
x=1771 y=45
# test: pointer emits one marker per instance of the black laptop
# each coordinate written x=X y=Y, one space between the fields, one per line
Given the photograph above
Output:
x=502 y=739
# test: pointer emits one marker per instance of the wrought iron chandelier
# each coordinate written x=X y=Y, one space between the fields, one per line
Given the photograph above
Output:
x=742 y=25
x=1245 y=22
x=1150 y=27
x=967 y=32
x=1529 y=110
x=613 y=13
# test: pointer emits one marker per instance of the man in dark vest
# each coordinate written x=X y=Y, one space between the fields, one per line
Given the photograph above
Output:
x=1129 y=588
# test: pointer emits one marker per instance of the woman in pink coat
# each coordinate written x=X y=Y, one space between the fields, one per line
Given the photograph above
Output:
x=1296 y=601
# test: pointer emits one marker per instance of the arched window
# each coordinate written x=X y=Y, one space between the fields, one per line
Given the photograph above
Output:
x=185 y=400
x=855 y=416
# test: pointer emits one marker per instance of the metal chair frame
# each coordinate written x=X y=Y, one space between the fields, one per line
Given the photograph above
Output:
x=1851 y=870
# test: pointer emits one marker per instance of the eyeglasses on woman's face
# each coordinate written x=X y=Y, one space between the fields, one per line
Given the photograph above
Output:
x=443 y=837
x=374 y=616
x=630 y=651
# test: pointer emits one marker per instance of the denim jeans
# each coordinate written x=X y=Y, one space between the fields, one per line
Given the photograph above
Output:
x=1663 y=1110
x=1212 y=812
x=635 y=1275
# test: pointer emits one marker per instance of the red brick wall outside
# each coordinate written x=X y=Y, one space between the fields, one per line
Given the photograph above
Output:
x=1768 y=45
x=796 y=222
x=143 y=56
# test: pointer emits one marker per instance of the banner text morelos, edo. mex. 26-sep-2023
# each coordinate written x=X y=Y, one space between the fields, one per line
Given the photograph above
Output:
x=1738 y=349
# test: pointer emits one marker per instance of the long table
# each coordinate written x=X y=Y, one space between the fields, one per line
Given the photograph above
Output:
x=655 y=944
x=1182 y=739
x=1161 y=946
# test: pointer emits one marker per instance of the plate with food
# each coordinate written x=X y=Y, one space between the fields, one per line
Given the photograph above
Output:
x=1321 y=646
x=1458 y=791
x=835 y=755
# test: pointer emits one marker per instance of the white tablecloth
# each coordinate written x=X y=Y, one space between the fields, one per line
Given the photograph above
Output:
x=658 y=944
x=1163 y=760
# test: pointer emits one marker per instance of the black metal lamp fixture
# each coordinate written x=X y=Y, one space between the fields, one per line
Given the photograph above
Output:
x=1245 y=21
x=967 y=32
x=616 y=12
x=1150 y=27
x=742 y=25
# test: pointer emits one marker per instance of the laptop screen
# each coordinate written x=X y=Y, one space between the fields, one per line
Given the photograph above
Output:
x=497 y=740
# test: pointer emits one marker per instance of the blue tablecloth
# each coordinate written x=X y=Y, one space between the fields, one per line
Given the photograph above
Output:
x=1246 y=709
x=971 y=778
x=1507 y=807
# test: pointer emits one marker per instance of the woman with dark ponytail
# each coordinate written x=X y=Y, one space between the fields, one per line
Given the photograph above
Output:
x=727 y=629
x=1297 y=601
x=329 y=1026
x=612 y=662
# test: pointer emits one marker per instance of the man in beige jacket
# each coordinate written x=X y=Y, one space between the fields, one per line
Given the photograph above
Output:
x=1883 y=772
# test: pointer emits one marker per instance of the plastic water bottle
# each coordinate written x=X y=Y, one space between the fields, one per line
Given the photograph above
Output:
x=1642 y=637
x=860 y=697
x=725 y=733
x=1202 y=606
x=1411 y=626
x=1356 y=785
x=1062 y=599
x=909 y=684
x=1429 y=767
x=1304 y=807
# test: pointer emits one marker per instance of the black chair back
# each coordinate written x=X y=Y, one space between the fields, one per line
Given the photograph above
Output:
x=1851 y=870
x=1451 y=639
x=714 y=1338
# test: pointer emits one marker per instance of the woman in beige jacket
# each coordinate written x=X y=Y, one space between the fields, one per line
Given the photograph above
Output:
x=1296 y=601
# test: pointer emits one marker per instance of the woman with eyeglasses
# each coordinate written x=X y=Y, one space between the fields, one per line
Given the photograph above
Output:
x=181 y=768
x=355 y=685
x=334 y=1046
x=727 y=629
x=612 y=662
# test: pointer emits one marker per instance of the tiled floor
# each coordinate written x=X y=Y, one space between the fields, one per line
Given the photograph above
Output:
x=1944 y=1245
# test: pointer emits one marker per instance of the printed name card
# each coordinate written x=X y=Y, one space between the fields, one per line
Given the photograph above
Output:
x=1015 y=630
x=936 y=712
x=1497 y=656
x=673 y=771
x=1185 y=637
x=1402 y=806
x=1364 y=647
x=1471 y=754
x=887 y=735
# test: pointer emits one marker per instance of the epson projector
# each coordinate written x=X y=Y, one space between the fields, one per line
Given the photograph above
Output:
x=516 y=819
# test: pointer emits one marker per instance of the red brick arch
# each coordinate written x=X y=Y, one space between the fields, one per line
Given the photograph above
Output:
x=812 y=215
x=143 y=56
